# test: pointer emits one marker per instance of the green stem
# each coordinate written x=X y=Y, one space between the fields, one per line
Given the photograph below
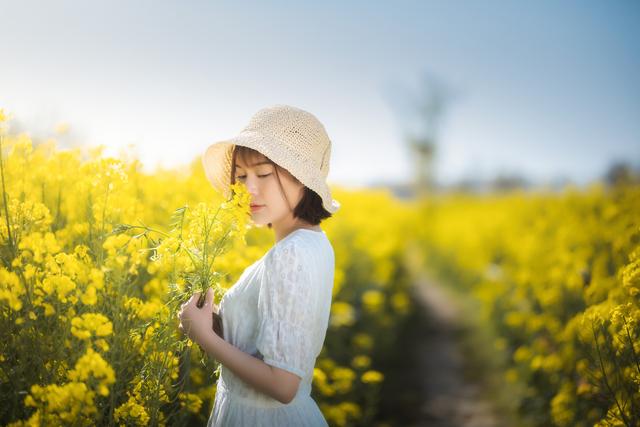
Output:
x=147 y=228
x=5 y=203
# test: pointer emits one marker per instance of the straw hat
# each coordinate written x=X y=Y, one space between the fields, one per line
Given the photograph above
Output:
x=292 y=138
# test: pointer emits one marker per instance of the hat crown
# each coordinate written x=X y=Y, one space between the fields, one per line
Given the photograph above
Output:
x=297 y=130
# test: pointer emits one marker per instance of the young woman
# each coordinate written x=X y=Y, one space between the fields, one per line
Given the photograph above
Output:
x=275 y=317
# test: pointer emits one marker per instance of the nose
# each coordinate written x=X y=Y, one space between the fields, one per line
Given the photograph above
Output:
x=252 y=185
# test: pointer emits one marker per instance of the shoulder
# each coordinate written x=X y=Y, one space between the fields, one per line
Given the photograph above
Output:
x=293 y=250
x=304 y=250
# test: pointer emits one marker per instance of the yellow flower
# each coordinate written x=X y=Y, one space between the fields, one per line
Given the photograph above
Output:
x=144 y=309
x=363 y=341
x=400 y=302
x=59 y=284
x=89 y=297
x=62 y=405
x=522 y=354
x=320 y=381
x=48 y=309
x=11 y=289
x=342 y=314
x=191 y=401
x=372 y=376
x=92 y=365
x=89 y=324
x=196 y=376
x=351 y=409
x=361 y=361
x=373 y=300
x=132 y=413
x=97 y=278
x=341 y=414
x=342 y=379
x=102 y=345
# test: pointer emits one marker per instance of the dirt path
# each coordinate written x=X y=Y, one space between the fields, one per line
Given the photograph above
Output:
x=450 y=399
x=427 y=387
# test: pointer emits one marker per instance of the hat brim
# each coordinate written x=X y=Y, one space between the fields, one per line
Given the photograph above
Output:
x=216 y=162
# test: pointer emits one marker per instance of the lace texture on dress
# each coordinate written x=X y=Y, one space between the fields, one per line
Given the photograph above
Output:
x=286 y=304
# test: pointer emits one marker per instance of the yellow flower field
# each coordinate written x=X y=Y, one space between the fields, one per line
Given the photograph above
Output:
x=96 y=257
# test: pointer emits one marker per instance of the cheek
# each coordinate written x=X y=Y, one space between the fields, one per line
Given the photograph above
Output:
x=270 y=192
x=273 y=194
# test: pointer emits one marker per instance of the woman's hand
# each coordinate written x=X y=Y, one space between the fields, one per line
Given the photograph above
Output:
x=196 y=322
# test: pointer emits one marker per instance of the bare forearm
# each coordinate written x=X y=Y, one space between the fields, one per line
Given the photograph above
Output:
x=250 y=369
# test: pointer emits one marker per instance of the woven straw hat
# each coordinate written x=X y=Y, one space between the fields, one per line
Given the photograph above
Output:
x=292 y=138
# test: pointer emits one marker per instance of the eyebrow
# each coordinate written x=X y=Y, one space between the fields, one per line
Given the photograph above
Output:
x=264 y=162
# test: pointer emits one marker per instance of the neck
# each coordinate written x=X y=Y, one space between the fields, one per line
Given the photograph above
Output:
x=282 y=230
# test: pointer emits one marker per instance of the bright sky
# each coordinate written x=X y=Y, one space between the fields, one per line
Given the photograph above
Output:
x=544 y=88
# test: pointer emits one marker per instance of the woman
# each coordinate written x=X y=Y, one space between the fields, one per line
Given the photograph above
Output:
x=275 y=317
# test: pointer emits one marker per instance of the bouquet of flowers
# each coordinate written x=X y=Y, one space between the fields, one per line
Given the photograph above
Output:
x=190 y=247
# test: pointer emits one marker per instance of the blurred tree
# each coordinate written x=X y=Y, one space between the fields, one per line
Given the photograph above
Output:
x=421 y=119
x=620 y=173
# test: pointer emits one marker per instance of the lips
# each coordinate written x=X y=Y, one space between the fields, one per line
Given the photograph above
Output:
x=256 y=206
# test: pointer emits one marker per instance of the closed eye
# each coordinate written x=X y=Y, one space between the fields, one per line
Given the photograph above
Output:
x=260 y=176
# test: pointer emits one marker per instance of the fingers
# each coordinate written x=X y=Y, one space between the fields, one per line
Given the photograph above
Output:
x=209 y=297
x=179 y=315
x=194 y=298
x=193 y=302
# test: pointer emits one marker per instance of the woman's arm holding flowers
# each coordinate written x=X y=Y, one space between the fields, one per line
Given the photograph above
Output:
x=272 y=381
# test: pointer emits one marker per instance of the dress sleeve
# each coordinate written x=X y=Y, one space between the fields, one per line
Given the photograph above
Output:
x=286 y=303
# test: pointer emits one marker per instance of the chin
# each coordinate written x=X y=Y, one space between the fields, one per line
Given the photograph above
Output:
x=260 y=221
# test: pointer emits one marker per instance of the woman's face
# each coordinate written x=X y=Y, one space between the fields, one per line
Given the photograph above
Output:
x=262 y=183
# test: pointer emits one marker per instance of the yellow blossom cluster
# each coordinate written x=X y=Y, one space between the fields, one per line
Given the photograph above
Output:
x=91 y=366
x=131 y=413
x=91 y=325
x=72 y=403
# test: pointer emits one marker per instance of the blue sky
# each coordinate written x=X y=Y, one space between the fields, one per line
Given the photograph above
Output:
x=546 y=89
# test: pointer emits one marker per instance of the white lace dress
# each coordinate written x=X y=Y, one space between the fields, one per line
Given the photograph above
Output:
x=278 y=311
